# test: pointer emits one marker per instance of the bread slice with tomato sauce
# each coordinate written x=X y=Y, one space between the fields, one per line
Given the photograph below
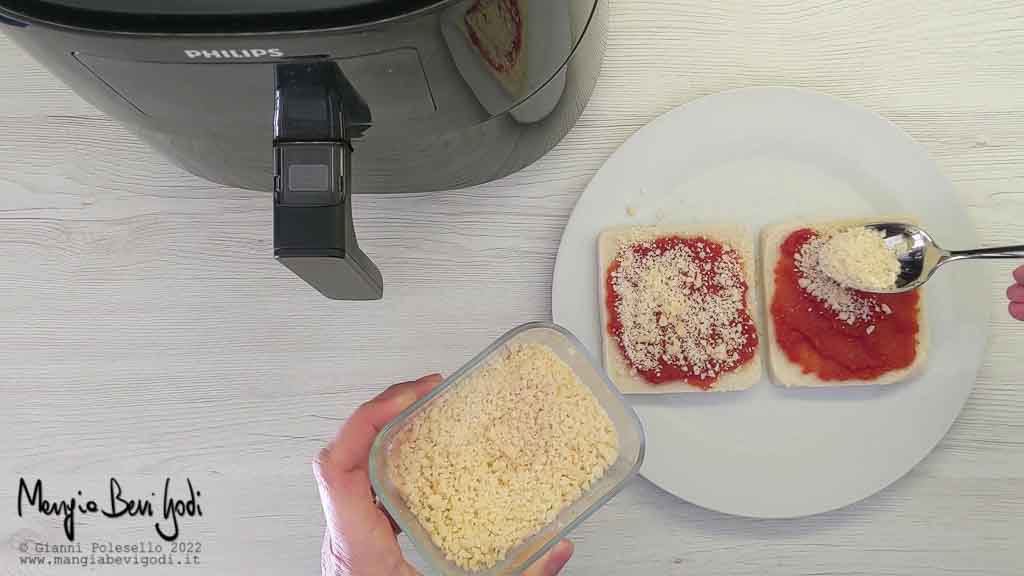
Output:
x=782 y=369
x=623 y=375
x=497 y=31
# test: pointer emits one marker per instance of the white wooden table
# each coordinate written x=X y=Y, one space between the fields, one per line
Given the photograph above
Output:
x=145 y=330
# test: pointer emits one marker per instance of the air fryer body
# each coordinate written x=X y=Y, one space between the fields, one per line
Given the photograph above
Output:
x=200 y=88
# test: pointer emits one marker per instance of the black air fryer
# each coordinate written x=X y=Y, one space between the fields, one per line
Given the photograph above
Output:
x=315 y=100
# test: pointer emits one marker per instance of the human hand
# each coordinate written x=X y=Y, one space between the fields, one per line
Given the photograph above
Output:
x=1016 y=294
x=361 y=539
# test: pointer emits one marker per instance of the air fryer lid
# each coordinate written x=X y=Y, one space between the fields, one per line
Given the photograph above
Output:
x=185 y=7
x=211 y=15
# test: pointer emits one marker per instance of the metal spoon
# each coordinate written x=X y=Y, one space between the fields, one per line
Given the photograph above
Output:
x=920 y=256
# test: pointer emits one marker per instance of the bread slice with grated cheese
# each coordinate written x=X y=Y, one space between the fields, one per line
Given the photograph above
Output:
x=617 y=366
x=783 y=371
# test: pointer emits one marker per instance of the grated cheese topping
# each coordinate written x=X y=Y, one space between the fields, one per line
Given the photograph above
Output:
x=847 y=304
x=680 y=305
x=859 y=258
x=500 y=456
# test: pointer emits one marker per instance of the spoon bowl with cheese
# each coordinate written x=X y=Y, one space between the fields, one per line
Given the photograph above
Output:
x=890 y=257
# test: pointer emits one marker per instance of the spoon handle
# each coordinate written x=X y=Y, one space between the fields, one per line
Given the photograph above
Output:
x=988 y=253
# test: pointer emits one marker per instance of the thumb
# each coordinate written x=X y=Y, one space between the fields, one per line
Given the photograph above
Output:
x=552 y=561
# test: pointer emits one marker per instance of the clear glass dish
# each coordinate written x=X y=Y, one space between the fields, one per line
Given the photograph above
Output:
x=627 y=425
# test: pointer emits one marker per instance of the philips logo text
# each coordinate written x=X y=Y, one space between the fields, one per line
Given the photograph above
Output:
x=235 y=53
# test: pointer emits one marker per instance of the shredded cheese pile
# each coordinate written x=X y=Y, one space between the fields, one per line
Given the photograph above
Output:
x=847 y=304
x=859 y=258
x=676 y=308
x=497 y=458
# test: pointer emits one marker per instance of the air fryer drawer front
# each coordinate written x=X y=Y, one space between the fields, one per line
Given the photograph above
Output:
x=238 y=97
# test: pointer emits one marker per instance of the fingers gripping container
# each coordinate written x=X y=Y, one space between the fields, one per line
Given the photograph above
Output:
x=627 y=426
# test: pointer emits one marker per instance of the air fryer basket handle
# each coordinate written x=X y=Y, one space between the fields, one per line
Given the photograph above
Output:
x=316 y=114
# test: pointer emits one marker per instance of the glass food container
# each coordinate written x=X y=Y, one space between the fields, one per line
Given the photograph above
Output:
x=627 y=426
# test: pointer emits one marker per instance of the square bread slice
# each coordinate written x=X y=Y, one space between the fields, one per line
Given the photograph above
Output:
x=615 y=363
x=496 y=30
x=789 y=374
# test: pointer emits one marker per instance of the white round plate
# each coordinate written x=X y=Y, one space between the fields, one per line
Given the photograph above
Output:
x=758 y=156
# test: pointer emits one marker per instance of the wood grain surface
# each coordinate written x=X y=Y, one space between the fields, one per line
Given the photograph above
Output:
x=145 y=330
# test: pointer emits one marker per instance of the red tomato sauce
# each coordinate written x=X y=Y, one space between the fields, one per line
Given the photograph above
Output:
x=666 y=372
x=812 y=336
